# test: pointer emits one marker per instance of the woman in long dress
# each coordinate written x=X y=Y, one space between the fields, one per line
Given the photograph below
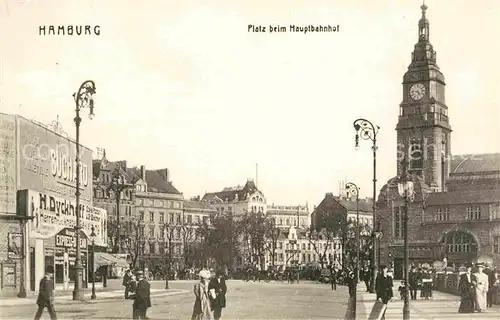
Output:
x=202 y=309
x=481 y=287
x=467 y=291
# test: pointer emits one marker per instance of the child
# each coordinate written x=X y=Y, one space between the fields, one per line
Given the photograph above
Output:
x=401 y=290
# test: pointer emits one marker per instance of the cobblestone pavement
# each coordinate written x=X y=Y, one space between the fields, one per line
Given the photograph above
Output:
x=245 y=300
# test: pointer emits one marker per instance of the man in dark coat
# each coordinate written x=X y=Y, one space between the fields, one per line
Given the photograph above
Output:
x=126 y=279
x=46 y=295
x=383 y=287
x=218 y=283
x=333 y=275
x=413 y=283
x=493 y=283
x=142 y=297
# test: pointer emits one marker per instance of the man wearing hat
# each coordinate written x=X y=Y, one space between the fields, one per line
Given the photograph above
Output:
x=46 y=294
x=218 y=283
x=481 y=286
x=142 y=297
x=383 y=288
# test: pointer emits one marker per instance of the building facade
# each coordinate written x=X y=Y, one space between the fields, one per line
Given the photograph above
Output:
x=38 y=204
x=302 y=247
x=289 y=216
x=453 y=213
x=236 y=201
x=344 y=209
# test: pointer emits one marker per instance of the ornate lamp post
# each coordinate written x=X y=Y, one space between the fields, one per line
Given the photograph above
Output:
x=118 y=185
x=83 y=99
x=367 y=131
x=353 y=190
x=405 y=188
x=92 y=237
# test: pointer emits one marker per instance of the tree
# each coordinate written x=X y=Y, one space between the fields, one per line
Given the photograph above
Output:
x=324 y=237
x=167 y=253
x=350 y=244
x=253 y=230
x=188 y=235
x=272 y=234
x=219 y=240
x=135 y=240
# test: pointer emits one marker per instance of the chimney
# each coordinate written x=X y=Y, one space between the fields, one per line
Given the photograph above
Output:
x=329 y=195
x=164 y=174
x=143 y=173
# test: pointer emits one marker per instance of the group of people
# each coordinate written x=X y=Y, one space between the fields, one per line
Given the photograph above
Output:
x=210 y=296
x=477 y=289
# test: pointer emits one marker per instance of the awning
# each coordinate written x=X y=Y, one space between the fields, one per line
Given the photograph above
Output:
x=106 y=259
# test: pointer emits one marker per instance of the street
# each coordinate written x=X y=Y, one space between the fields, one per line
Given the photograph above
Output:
x=245 y=300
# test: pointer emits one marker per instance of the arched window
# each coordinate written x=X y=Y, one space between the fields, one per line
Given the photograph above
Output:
x=460 y=242
x=287 y=222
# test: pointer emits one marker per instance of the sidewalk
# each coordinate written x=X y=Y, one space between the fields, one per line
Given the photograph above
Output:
x=441 y=306
x=66 y=297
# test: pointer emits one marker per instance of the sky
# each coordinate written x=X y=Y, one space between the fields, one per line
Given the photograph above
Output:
x=183 y=85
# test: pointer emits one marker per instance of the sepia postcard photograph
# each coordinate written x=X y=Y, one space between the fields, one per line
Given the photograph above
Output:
x=251 y=159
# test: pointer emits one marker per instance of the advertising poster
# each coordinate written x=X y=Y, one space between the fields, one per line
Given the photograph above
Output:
x=15 y=245
x=51 y=214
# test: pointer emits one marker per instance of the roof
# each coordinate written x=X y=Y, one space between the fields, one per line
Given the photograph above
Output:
x=198 y=205
x=231 y=193
x=365 y=205
x=463 y=197
x=155 y=179
x=475 y=163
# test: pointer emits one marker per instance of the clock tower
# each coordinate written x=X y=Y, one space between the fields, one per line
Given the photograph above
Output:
x=423 y=129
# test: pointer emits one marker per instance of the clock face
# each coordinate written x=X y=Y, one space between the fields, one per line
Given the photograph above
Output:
x=417 y=91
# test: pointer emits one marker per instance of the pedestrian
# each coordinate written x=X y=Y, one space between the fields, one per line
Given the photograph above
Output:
x=333 y=275
x=467 y=291
x=481 y=286
x=413 y=283
x=202 y=309
x=125 y=281
x=366 y=278
x=46 y=294
x=218 y=283
x=427 y=283
x=142 y=297
x=383 y=288
x=493 y=282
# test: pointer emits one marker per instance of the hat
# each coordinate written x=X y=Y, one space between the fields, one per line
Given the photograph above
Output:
x=49 y=269
x=468 y=265
x=205 y=274
x=139 y=273
x=220 y=273
x=382 y=267
x=480 y=265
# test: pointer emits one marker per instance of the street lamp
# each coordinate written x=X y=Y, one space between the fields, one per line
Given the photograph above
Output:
x=92 y=237
x=118 y=185
x=405 y=188
x=83 y=99
x=367 y=131
x=353 y=190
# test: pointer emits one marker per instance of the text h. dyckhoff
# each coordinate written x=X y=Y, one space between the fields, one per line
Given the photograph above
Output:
x=69 y=30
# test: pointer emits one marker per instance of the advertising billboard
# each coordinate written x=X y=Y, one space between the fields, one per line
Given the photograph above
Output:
x=8 y=181
x=47 y=163
x=51 y=214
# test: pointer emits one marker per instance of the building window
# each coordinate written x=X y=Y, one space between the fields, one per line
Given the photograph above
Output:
x=142 y=231
x=308 y=246
x=179 y=218
x=171 y=218
x=162 y=217
x=473 y=213
x=496 y=244
x=281 y=222
x=141 y=215
x=287 y=222
x=229 y=210
x=442 y=214
x=280 y=245
x=190 y=219
x=397 y=222
x=152 y=231
x=151 y=216
x=459 y=242
x=152 y=248
x=303 y=246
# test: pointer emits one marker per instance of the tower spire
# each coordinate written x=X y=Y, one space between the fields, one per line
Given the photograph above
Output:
x=423 y=25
